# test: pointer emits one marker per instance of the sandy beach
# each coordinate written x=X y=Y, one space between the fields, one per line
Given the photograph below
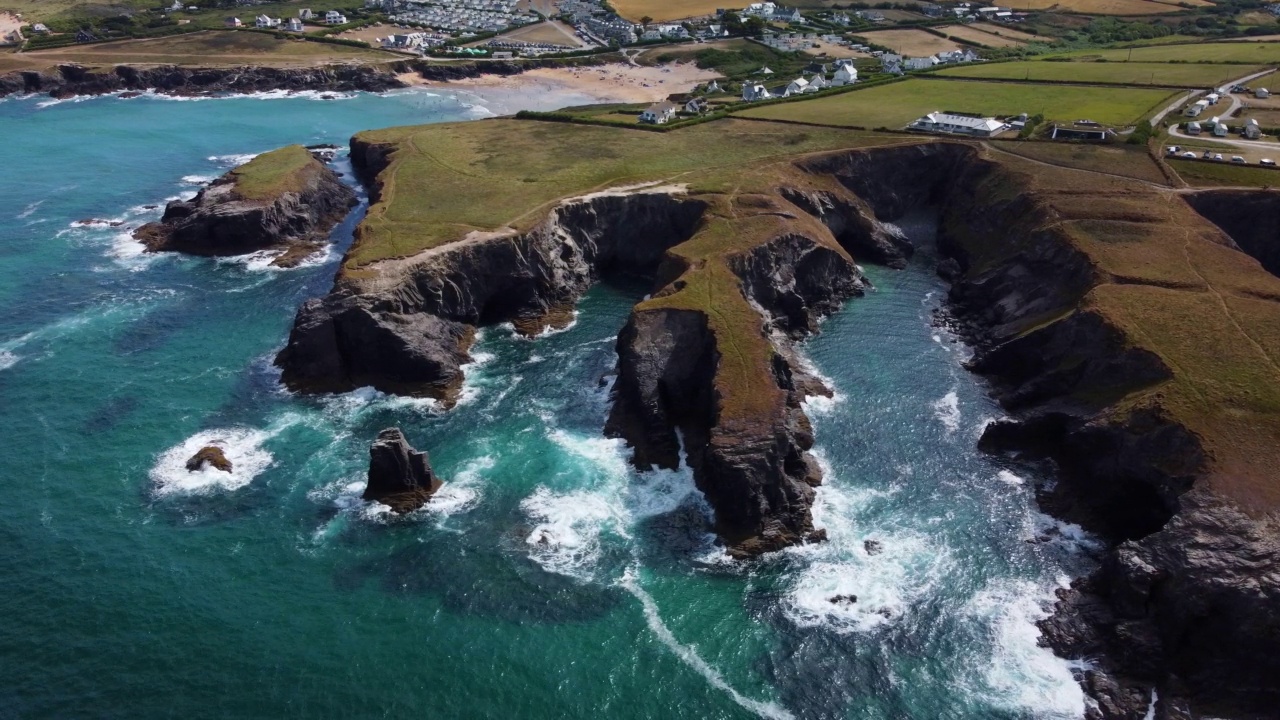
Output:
x=616 y=82
x=9 y=23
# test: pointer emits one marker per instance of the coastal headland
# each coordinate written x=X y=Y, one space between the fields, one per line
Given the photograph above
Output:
x=1123 y=331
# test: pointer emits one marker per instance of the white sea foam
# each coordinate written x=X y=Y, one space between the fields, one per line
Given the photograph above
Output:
x=565 y=538
x=198 y=179
x=8 y=359
x=688 y=654
x=242 y=447
x=947 y=411
x=1009 y=478
x=29 y=210
x=230 y=161
x=346 y=407
x=1018 y=674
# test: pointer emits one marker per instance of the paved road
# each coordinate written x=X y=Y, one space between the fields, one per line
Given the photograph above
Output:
x=1235 y=101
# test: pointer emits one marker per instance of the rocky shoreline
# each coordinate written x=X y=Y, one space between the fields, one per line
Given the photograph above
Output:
x=1186 y=603
x=303 y=200
x=71 y=80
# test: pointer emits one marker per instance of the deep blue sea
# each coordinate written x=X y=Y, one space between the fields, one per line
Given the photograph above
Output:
x=130 y=588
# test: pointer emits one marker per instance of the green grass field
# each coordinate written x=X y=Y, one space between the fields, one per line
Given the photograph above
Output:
x=505 y=173
x=896 y=104
x=272 y=173
x=1130 y=73
x=214 y=47
x=1234 y=52
x=1219 y=174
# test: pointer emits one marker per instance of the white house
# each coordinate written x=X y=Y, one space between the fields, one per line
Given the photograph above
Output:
x=712 y=87
x=765 y=70
x=846 y=75
x=1262 y=93
x=797 y=86
x=761 y=10
x=659 y=113
x=695 y=106
x=1220 y=129
x=788 y=16
x=1193 y=128
x=650 y=35
x=923 y=63
x=333 y=17
x=1251 y=129
x=232 y=22
x=754 y=91
x=264 y=21
x=817 y=82
x=306 y=14
x=958 y=124
x=294 y=25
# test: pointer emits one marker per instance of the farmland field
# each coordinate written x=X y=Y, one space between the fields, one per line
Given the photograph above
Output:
x=1199 y=173
x=1101 y=7
x=209 y=48
x=896 y=104
x=965 y=32
x=664 y=10
x=1127 y=160
x=1223 y=52
x=1132 y=73
x=994 y=29
x=912 y=43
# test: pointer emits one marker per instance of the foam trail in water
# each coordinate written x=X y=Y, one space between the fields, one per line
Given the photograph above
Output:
x=1018 y=674
x=689 y=655
x=29 y=210
x=242 y=447
x=566 y=534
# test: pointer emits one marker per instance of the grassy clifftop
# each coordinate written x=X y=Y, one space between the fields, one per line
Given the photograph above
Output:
x=267 y=176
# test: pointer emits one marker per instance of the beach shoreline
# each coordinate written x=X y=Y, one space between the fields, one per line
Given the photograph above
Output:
x=611 y=83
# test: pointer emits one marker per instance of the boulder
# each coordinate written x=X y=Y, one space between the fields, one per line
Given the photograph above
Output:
x=211 y=455
x=399 y=476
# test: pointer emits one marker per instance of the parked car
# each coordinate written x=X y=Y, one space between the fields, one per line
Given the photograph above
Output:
x=1237 y=159
x=1172 y=149
x=1217 y=156
x=1189 y=155
x=1267 y=161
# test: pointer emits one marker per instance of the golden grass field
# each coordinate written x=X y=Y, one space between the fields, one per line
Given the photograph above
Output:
x=1003 y=31
x=664 y=10
x=911 y=43
x=965 y=32
x=1100 y=7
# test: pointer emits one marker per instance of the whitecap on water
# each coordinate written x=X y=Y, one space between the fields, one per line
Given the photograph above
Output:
x=1016 y=673
x=234 y=160
x=947 y=411
x=198 y=179
x=565 y=538
x=8 y=359
x=1009 y=478
x=242 y=447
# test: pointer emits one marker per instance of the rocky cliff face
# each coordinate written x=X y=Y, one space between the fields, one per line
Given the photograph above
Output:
x=221 y=221
x=72 y=80
x=409 y=331
x=1250 y=217
x=1185 y=602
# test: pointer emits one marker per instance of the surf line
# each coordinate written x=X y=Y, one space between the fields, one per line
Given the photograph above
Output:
x=690 y=656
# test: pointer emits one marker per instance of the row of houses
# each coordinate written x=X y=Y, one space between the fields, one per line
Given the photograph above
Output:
x=845 y=74
x=1251 y=130
x=294 y=24
x=771 y=12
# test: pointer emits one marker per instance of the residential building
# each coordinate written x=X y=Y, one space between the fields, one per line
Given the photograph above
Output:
x=40 y=29
x=1262 y=93
x=233 y=22
x=712 y=87
x=265 y=21
x=753 y=91
x=1251 y=129
x=764 y=10
x=1195 y=108
x=931 y=9
x=797 y=86
x=1193 y=128
x=941 y=122
x=923 y=63
x=818 y=82
x=333 y=17
x=695 y=106
x=294 y=25
x=305 y=14
x=846 y=75
x=659 y=113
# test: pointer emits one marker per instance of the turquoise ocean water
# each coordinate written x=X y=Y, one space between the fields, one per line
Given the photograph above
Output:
x=131 y=588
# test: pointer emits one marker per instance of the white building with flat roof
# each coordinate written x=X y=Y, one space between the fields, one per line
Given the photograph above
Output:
x=941 y=122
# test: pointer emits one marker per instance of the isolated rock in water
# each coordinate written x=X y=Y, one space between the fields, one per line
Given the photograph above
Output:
x=873 y=547
x=843 y=599
x=211 y=455
x=399 y=476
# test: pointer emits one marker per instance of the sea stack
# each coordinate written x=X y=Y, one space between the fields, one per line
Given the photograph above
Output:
x=285 y=199
x=211 y=456
x=399 y=475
